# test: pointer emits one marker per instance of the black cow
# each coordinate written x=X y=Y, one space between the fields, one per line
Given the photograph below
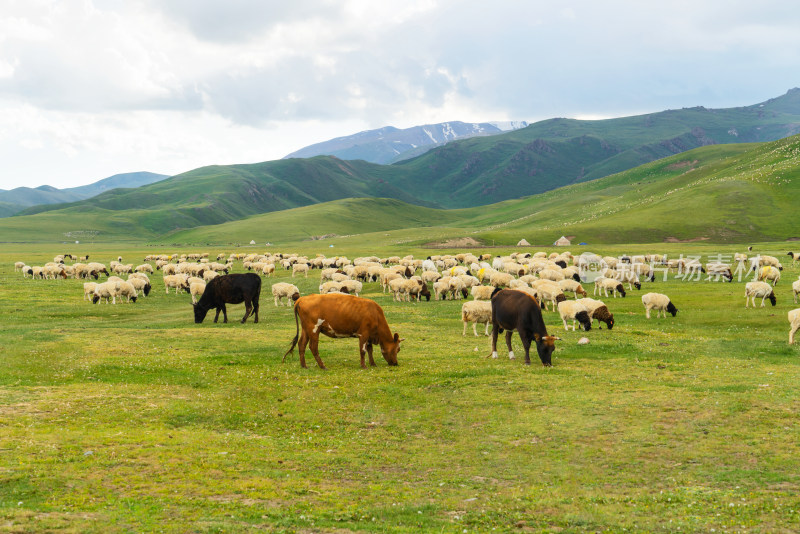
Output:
x=230 y=289
x=517 y=311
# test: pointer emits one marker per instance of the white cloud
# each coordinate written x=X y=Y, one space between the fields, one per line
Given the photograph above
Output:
x=98 y=87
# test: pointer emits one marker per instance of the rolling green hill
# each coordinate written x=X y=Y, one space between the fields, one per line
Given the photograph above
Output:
x=476 y=171
x=721 y=193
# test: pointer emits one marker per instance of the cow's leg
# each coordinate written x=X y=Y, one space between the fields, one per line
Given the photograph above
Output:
x=495 y=333
x=255 y=309
x=216 y=317
x=526 y=344
x=248 y=308
x=369 y=353
x=224 y=314
x=301 y=348
x=313 y=344
x=509 y=334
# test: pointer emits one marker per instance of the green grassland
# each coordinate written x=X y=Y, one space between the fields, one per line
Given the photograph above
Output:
x=132 y=418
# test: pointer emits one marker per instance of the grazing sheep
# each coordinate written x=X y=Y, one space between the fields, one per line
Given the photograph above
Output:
x=429 y=277
x=300 y=268
x=178 y=281
x=568 y=285
x=196 y=289
x=144 y=268
x=598 y=310
x=570 y=309
x=548 y=291
x=353 y=287
x=27 y=270
x=551 y=274
x=604 y=285
x=769 y=273
x=752 y=290
x=19 y=265
x=441 y=288
x=106 y=290
x=795 y=256
x=481 y=292
x=660 y=303
x=794 y=320
x=88 y=290
x=210 y=275
x=498 y=279
x=127 y=290
x=795 y=289
x=140 y=284
x=284 y=289
x=476 y=311
x=718 y=270
x=332 y=287
x=386 y=278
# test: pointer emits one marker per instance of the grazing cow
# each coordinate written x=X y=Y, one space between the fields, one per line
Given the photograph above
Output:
x=515 y=311
x=338 y=315
x=230 y=289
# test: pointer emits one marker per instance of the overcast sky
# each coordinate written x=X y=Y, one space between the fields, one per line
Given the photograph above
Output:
x=91 y=88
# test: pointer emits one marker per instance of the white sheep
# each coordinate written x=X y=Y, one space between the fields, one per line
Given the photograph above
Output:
x=753 y=290
x=126 y=289
x=88 y=290
x=571 y=286
x=178 y=281
x=577 y=312
x=795 y=289
x=476 y=311
x=354 y=287
x=794 y=320
x=300 y=268
x=18 y=266
x=144 y=268
x=660 y=303
x=598 y=310
x=551 y=274
x=139 y=283
x=498 y=279
x=209 y=275
x=769 y=273
x=331 y=287
x=604 y=285
x=197 y=289
x=482 y=292
x=106 y=290
x=548 y=291
x=284 y=289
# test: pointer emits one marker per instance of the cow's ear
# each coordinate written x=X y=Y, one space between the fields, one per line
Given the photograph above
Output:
x=537 y=337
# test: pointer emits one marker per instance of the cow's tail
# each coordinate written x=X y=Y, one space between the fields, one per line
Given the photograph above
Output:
x=296 y=335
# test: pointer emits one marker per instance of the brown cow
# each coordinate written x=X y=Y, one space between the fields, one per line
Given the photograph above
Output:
x=339 y=315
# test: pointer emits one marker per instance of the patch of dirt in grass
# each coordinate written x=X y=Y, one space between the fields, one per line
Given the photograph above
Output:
x=455 y=243
x=681 y=165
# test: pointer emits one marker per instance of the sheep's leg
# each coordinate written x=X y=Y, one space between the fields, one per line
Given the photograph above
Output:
x=464 y=332
x=795 y=326
x=475 y=328
x=647 y=311
x=762 y=301
x=276 y=300
x=565 y=324
x=486 y=333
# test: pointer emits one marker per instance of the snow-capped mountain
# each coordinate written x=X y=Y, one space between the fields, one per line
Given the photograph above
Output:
x=390 y=144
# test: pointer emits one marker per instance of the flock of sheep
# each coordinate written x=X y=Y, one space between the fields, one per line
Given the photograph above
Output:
x=548 y=278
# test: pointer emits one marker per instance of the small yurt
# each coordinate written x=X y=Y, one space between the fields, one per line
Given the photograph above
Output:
x=562 y=242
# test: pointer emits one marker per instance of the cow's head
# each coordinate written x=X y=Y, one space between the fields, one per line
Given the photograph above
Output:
x=545 y=347
x=390 y=349
x=199 y=313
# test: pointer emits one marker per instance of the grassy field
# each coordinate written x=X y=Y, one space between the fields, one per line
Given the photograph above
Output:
x=133 y=418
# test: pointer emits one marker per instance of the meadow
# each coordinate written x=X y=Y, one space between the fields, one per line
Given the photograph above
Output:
x=133 y=418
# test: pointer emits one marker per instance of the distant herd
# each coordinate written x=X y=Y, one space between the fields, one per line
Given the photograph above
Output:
x=508 y=292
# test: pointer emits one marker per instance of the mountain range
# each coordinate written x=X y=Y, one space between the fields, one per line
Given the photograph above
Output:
x=15 y=200
x=389 y=144
x=544 y=156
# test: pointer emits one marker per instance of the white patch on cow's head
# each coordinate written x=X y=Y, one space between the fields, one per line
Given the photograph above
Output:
x=319 y=323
